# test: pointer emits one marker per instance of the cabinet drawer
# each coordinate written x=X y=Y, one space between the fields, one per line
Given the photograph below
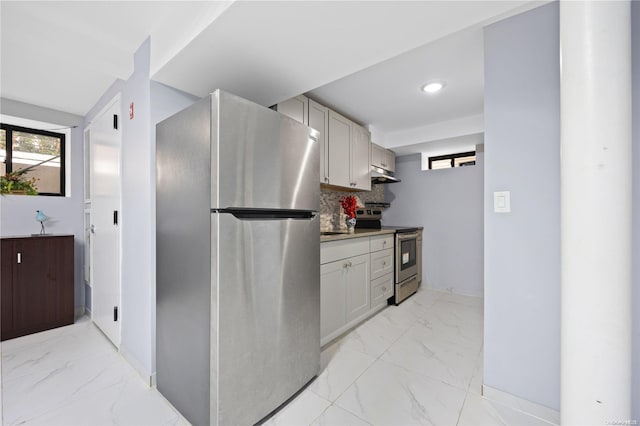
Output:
x=381 y=290
x=381 y=242
x=381 y=263
x=336 y=250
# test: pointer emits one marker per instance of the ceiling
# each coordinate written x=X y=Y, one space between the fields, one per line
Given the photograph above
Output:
x=366 y=59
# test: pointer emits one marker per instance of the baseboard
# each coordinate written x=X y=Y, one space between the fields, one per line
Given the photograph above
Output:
x=541 y=412
x=142 y=372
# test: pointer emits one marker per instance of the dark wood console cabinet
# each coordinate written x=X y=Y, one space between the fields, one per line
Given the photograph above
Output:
x=36 y=284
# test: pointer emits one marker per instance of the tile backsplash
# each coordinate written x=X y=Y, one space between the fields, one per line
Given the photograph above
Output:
x=331 y=215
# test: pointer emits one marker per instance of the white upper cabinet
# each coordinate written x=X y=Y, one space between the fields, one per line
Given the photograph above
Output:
x=296 y=108
x=345 y=147
x=377 y=155
x=349 y=153
x=340 y=134
x=319 y=120
x=390 y=160
x=383 y=158
x=360 y=158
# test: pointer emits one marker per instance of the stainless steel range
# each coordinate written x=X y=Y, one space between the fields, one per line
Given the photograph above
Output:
x=408 y=252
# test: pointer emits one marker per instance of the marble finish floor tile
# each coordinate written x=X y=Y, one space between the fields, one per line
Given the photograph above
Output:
x=303 y=410
x=344 y=367
x=419 y=363
x=336 y=416
x=479 y=411
x=419 y=352
x=389 y=395
x=130 y=402
x=30 y=396
x=476 y=380
x=74 y=376
x=79 y=341
x=378 y=333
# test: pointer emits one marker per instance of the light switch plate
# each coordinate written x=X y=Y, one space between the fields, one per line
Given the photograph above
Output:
x=502 y=202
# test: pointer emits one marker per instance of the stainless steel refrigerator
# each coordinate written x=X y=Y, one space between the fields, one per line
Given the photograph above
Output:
x=238 y=260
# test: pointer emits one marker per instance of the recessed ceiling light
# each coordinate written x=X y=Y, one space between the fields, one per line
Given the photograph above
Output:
x=433 y=87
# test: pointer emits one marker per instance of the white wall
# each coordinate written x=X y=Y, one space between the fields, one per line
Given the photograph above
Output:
x=449 y=204
x=136 y=285
x=137 y=187
x=17 y=212
x=522 y=248
x=635 y=35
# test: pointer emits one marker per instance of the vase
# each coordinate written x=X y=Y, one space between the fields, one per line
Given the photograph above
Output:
x=351 y=224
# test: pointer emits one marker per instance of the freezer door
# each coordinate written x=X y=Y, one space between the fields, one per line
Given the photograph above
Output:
x=261 y=158
x=266 y=278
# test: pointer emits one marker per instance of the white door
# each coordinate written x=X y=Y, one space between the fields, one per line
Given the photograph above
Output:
x=105 y=220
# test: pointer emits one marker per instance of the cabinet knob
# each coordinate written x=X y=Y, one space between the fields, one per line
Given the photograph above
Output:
x=346 y=265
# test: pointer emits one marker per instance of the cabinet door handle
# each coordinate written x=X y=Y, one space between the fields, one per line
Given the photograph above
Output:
x=19 y=257
x=384 y=263
x=346 y=265
x=350 y=264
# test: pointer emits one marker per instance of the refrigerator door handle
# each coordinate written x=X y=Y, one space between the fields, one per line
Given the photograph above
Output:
x=267 y=214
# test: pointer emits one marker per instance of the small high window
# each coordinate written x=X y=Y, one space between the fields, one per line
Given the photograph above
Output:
x=452 y=160
x=41 y=150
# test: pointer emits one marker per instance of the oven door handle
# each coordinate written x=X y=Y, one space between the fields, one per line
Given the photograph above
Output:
x=407 y=236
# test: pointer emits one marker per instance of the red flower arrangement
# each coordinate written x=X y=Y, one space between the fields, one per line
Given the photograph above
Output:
x=349 y=205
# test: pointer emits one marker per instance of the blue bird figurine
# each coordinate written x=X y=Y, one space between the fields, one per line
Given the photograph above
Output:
x=41 y=217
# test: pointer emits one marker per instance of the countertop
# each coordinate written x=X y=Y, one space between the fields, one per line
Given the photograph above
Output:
x=358 y=234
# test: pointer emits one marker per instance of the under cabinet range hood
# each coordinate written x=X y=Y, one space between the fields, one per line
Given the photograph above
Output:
x=379 y=175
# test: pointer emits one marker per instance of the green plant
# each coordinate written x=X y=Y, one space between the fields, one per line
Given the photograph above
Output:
x=18 y=182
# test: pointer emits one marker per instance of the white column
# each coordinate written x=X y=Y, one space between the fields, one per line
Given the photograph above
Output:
x=595 y=49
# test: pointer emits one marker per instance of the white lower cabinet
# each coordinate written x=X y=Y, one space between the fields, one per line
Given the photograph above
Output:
x=381 y=290
x=382 y=278
x=348 y=292
x=333 y=312
x=357 y=285
x=381 y=263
